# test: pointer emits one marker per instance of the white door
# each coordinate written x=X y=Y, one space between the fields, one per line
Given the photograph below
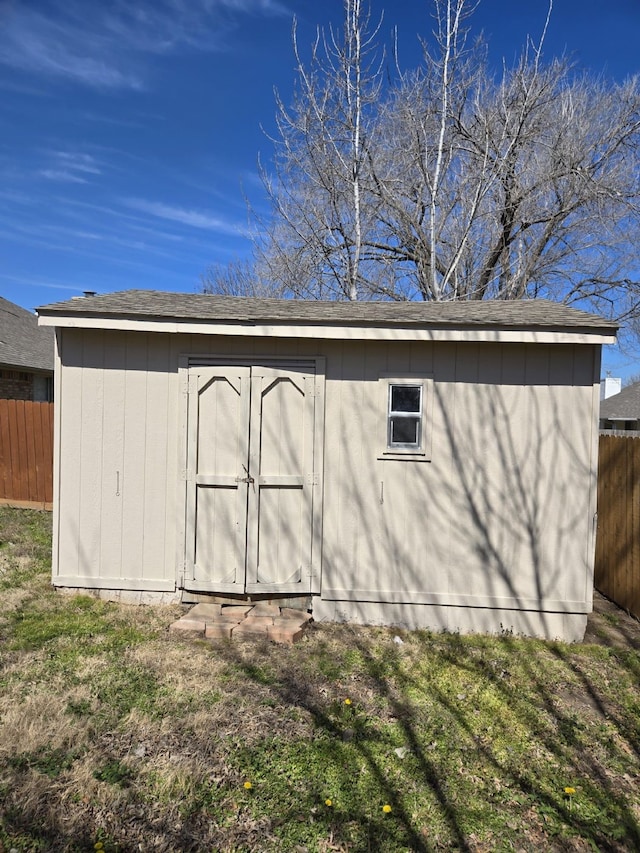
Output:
x=253 y=484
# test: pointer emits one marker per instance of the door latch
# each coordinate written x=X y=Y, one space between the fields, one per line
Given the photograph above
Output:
x=247 y=479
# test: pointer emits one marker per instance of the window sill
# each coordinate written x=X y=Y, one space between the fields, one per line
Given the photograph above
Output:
x=395 y=456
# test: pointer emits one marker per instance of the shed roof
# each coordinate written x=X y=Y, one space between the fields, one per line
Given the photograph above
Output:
x=624 y=406
x=180 y=307
x=23 y=344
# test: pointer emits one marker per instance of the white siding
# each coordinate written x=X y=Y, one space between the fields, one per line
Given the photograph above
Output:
x=501 y=516
x=118 y=451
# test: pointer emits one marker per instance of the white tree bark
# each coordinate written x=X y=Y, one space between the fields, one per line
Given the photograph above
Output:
x=317 y=192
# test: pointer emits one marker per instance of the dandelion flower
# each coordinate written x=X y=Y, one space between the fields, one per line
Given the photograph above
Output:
x=386 y=808
x=328 y=802
x=347 y=701
x=569 y=791
x=248 y=786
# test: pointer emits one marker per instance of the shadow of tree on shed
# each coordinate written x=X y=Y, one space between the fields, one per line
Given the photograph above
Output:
x=471 y=742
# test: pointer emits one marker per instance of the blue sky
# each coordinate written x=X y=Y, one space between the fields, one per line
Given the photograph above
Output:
x=130 y=129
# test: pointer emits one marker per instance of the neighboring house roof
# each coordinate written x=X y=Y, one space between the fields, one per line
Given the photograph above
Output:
x=624 y=406
x=23 y=344
x=145 y=304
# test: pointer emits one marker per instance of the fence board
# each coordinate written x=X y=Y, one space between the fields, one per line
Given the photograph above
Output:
x=26 y=453
x=47 y=453
x=32 y=462
x=5 y=454
x=617 y=561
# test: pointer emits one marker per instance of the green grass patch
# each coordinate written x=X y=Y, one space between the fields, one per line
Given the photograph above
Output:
x=25 y=546
x=114 y=732
x=51 y=762
x=38 y=623
x=114 y=773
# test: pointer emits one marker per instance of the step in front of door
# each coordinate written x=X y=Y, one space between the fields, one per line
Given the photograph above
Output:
x=263 y=620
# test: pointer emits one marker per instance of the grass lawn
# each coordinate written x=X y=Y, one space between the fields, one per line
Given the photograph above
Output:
x=115 y=736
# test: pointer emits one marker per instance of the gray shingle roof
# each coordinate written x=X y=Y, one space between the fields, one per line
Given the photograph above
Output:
x=622 y=406
x=180 y=307
x=24 y=344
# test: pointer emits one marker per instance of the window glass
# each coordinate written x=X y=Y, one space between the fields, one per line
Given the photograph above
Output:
x=405 y=398
x=405 y=431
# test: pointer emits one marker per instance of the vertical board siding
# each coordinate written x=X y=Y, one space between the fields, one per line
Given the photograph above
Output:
x=26 y=453
x=121 y=451
x=617 y=565
x=138 y=425
x=95 y=411
x=117 y=393
x=159 y=456
x=66 y=559
x=105 y=386
x=502 y=509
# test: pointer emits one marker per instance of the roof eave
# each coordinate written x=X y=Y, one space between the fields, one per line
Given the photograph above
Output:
x=403 y=330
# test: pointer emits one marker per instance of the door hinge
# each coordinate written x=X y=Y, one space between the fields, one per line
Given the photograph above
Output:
x=185 y=474
x=311 y=479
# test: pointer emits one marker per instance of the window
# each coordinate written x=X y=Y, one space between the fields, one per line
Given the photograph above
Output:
x=407 y=403
x=405 y=416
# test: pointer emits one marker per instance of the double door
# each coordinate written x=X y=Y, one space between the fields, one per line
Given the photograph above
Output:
x=254 y=446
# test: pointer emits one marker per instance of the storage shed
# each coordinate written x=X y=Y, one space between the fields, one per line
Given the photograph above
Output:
x=410 y=464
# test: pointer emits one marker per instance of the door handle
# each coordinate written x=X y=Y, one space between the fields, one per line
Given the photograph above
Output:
x=247 y=479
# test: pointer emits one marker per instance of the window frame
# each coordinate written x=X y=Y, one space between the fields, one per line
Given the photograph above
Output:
x=409 y=452
x=413 y=416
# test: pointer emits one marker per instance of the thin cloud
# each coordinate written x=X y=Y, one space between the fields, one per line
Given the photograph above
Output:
x=59 y=46
x=79 y=161
x=113 y=218
x=111 y=120
x=32 y=236
x=71 y=167
x=62 y=175
x=37 y=282
x=106 y=236
x=103 y=45
x=192 y=218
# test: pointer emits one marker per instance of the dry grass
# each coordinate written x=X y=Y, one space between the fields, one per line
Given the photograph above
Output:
x=113 y=732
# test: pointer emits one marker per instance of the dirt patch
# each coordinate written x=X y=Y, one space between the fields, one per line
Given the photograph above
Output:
x=610 y=625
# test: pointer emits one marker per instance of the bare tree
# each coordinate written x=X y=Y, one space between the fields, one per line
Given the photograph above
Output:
x=521 y=186
x=420 y=164
x=322 y=207
x=451 y=181
x=239 y=278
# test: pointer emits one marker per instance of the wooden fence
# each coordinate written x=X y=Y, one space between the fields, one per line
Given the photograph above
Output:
x=617 y=566
x=26 y=453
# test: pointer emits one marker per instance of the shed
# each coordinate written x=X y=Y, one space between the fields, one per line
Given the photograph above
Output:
x=412 y=464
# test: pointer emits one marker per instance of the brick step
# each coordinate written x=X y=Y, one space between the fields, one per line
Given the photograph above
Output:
x=229 y=621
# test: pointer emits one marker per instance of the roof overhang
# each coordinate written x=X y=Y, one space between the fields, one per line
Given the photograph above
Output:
x=518 y=321
x=469 y=333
